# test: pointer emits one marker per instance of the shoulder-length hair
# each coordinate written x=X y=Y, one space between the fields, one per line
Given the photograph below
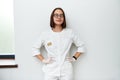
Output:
x=52 y=24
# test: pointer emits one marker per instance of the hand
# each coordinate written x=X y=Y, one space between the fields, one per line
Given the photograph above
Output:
x=48 y=60
x=71 y=59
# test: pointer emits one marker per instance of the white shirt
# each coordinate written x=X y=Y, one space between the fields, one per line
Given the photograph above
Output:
x=58 y=44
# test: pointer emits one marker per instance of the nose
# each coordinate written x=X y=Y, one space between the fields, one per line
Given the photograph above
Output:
x=59 y=16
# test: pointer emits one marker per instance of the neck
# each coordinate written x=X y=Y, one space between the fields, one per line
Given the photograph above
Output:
x=57 y=29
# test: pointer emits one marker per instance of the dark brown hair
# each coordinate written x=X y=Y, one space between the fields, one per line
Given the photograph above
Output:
x=52 y=24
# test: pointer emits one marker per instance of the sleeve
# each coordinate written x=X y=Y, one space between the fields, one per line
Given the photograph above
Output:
x=36 y=47
x=79 y=44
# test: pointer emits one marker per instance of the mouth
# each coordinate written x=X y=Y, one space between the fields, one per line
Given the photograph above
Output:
x=58 y=20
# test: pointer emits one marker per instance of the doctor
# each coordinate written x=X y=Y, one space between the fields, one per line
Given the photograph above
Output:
x=57 y=41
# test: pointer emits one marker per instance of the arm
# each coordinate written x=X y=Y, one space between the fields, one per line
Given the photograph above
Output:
x=40 y=57
x=36 y=48
x=77 y=54
x=78 y=44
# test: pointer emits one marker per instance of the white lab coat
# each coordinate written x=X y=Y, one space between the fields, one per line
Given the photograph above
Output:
x=57 y=45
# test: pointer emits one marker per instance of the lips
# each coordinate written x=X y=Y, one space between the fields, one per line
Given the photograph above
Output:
x=58 y=20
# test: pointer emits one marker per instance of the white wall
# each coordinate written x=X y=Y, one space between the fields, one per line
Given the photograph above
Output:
x=98 y=23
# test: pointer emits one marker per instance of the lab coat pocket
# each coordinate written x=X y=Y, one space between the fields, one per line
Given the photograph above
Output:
x=48 y=67
x=67 y=67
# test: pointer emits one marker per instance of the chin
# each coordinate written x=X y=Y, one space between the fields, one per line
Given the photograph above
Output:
x=58 y=23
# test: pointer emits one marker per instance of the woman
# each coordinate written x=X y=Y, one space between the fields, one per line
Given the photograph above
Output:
x=57 y=42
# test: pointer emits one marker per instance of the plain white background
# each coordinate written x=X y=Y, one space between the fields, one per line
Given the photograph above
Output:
x=97 y=22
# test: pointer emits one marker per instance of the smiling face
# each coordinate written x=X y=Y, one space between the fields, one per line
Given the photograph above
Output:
x=58 y=17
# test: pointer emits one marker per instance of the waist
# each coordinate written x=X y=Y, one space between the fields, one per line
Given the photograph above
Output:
x=59 y=58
